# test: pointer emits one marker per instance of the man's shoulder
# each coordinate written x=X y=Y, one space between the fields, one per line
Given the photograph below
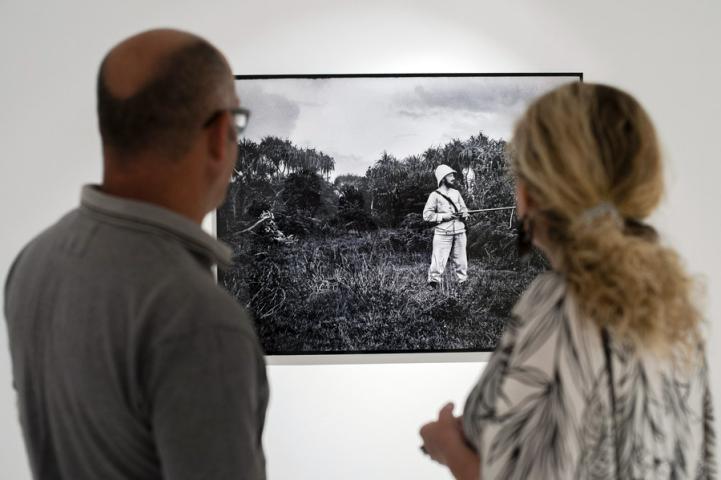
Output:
x=50 y=233
x=45 y=241
x=97 y=247
x=186 y=303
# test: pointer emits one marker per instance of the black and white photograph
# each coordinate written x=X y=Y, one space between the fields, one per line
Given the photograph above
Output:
x=375 y=214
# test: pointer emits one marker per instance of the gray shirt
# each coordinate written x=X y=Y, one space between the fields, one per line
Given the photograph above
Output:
x=128 y=360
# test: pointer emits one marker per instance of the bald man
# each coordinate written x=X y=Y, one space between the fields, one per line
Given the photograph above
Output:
x=128 y=360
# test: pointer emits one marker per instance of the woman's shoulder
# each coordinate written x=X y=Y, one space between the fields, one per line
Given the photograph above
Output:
x=546 y=292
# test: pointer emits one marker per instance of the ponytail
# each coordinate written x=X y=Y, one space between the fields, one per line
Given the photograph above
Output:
x=625 y=280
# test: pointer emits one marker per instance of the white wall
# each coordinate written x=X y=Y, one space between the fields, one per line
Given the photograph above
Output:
x=359 y=421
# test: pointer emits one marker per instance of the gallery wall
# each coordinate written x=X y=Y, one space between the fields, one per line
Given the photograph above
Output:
x=359 y=421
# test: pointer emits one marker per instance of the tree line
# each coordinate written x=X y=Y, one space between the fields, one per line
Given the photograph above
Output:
x=277 y=176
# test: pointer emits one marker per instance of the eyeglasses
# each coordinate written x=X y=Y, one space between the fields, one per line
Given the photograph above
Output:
x=240 y=119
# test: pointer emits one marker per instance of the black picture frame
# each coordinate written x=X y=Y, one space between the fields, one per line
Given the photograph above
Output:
x=279 y=331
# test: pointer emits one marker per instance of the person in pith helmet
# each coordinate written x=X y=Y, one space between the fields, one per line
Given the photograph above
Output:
x=445 y=208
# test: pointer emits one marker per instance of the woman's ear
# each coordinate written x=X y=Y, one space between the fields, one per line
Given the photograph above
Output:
x=522 y=200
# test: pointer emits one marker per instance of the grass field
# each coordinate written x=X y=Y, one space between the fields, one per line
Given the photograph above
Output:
x=364 y=292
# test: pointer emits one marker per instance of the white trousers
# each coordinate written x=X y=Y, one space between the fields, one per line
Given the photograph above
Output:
x=445 y=246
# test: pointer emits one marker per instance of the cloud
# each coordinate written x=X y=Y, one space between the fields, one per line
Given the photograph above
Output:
x=408 y=113
x=485 y=95
x=401 y=135
x=271 y=113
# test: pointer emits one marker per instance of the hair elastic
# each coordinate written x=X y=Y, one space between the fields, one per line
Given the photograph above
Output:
x=590 y=215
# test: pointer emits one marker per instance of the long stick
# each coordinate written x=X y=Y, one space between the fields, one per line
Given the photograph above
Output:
x=490 y=209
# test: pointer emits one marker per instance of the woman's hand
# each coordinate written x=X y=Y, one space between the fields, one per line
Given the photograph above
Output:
x=444 y=442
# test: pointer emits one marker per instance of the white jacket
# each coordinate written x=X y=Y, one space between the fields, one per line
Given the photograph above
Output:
x=437 y=206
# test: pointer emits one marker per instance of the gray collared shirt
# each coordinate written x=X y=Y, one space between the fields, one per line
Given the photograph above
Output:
x=129 y=361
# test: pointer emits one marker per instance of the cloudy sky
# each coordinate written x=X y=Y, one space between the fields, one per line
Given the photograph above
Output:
x=355 y=119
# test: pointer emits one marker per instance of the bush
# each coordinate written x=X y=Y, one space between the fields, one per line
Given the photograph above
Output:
x=356 y=219
x=352 y=212
x=308 y=192
x=257 y=207
x=297 y=222
x=493 y=244
x=415 y=222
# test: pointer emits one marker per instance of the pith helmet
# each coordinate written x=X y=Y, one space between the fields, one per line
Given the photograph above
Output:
x=441 y=172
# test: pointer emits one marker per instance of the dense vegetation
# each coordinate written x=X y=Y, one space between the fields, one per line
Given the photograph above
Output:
x=341 y=266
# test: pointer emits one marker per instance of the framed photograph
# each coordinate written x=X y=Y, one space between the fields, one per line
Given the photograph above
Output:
x=375 y=213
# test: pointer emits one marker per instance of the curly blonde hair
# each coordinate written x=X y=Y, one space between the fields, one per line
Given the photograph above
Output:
x=584 y=145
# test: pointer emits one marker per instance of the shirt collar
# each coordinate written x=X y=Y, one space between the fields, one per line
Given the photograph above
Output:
x=189 y=233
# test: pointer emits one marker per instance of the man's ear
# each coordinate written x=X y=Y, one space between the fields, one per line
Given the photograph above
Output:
x=217 y=139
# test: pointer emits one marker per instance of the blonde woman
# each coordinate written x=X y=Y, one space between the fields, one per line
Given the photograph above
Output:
x=602 y=372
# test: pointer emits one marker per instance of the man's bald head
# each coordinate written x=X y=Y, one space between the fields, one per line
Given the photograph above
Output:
x=155 y=90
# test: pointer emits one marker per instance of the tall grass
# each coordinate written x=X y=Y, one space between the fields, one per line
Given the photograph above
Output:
x=363 y=292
